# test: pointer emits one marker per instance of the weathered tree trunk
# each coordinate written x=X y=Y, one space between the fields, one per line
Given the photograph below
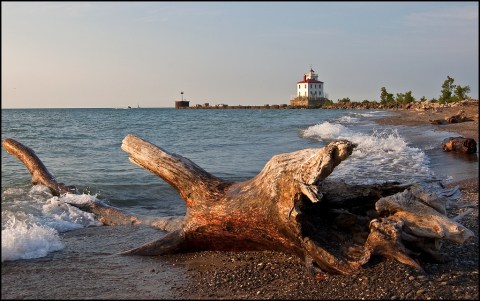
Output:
x=40 y=174
x=289 y=207
x=263 y=213
x=460 y=145
x=458 y=118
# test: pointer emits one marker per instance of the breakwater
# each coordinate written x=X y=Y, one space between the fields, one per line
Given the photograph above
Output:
x=365 y=105
x=284 y=106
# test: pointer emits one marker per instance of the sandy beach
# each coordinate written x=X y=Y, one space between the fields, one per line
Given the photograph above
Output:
x=81 y=271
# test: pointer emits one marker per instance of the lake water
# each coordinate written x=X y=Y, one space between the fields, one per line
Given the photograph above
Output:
x=81 y=147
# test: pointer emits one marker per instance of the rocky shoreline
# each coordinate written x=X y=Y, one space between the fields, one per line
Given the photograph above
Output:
x=418 y=117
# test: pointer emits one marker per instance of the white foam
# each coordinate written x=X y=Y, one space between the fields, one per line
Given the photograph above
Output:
x=348 y=119
x=379 y=156
x=22 y=239
x=327 y=131
x=39 y=190
x=63 y=217
x=13 y=191
x=374 y=114
x=32 y=220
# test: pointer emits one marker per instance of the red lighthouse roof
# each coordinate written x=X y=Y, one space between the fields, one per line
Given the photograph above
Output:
x=312 y=78
x=309 y=81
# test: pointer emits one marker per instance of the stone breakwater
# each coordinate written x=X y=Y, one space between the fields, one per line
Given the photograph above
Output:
x=414 y=106
x=217 y=107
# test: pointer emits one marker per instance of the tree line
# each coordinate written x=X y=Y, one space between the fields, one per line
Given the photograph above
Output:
x=449 y=93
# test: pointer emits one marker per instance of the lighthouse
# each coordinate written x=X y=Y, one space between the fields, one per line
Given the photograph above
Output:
x=310 y=91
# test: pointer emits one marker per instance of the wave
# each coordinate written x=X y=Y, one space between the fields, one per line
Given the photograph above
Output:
x=380 y=156
x=32 y=220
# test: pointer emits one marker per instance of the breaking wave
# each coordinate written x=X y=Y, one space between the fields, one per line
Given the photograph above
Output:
x=32 y=220
x=380 y=156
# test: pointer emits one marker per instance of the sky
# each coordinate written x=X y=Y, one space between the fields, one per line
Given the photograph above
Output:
x=119 y=54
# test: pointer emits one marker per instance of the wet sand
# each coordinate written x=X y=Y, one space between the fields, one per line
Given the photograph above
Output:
x=89 y=266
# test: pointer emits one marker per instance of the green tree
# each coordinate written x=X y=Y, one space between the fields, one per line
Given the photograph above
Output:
x=344 y=100
x=409 y=97
x=405 y=98
x=385 y=97
x=328 y=102
x=400 y=97
x=461 y=92
x=447 y=90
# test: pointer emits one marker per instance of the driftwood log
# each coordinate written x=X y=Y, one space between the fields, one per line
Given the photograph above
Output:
x=289 y=206
x=460 y=145
x=458 y=118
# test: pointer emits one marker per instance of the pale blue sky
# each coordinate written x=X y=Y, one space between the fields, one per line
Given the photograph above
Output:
x=116 y=54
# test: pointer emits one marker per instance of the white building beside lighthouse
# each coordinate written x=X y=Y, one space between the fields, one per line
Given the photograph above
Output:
x=310 y=91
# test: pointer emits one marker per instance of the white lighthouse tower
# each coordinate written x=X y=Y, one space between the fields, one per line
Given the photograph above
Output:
x=310 y=91
x=310 y=86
